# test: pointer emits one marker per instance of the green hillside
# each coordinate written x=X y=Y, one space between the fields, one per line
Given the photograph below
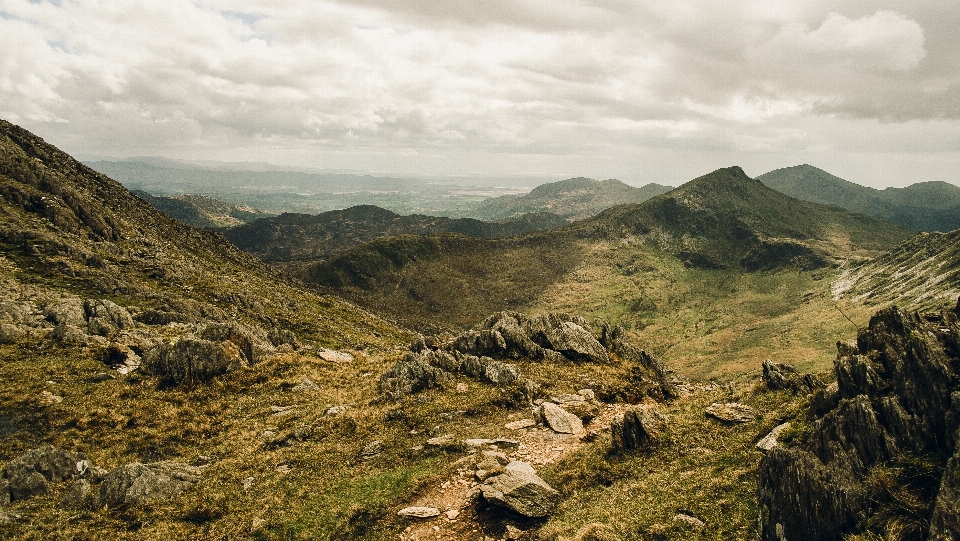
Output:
x=924 y=206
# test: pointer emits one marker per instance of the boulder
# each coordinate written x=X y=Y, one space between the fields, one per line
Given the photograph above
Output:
x=66 y=333
x=105 y=317
x=520 y=489
x=731 y=412
x=11 y=333
x=635 y=429
x=490 y=370
x=560 y=420
x=29 y=474
x=193 y=359
x=253 y=342
x=576 y=343
x=779 y=376
x=410 y=375
x=137 y=484
x=769 y=441
x=66 y=311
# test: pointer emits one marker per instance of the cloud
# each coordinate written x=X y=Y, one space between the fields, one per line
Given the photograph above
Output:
x=367 y=79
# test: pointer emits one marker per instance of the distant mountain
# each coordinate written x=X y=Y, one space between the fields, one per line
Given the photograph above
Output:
x=722 y=221
x=573 y=199
x=202 y=211
x=925 y=206
x=293 y=237
x=922 y=272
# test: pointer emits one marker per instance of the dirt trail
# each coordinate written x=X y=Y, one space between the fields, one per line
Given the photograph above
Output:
x=460 y=519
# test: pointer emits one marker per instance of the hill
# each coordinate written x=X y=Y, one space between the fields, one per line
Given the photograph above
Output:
x=293 y=237
x=666 y=268
x=573 y=199
x=922 y=272
x=925 y=206
x=202 y=211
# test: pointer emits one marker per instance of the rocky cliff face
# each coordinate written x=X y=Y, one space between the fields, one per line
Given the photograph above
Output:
x=881 y=456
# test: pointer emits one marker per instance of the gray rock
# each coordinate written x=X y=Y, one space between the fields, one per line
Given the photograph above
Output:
x=419 y=512
x=11 y=333
x=69 y=334
x=687 y=520
x=137 y=484
x=306 y=386
x=731 y=412
x=81 y=495
x=410 y=375
x=67 y=311
x=769 y=441
x=576 y=343
x=372 y=449
x=105 y=317
x=560 y=420
x=253 y=342
x=193 y=359
x=636 y=429
x=778 y=376
x=520 y=489
x=29 y=474
x=490 y=370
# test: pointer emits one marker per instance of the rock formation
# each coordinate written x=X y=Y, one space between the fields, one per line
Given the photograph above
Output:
x=897 y=402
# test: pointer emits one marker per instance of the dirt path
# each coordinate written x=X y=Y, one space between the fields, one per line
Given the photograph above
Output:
x=460 y=518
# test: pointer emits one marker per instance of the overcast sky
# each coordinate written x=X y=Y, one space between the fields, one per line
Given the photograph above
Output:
x=640 y=90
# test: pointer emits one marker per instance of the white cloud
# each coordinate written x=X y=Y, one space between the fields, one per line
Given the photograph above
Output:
x=356 y=80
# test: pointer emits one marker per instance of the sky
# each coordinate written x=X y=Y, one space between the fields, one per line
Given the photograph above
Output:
x=639 y=90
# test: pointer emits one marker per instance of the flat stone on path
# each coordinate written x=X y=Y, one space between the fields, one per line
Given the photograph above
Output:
x=419 y=512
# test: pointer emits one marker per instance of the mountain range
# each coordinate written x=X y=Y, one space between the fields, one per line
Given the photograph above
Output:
x=925 y=206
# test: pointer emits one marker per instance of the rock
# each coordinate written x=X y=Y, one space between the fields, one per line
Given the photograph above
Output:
x=29 y=474
x=252 y=342
x=122 y=358
x=583 y=410
x=47 y=398
x=512 y=533
x=490 y=370
x=410 y=375
x=105 y=317
x=419 y=512
x=769 y=441
x=66 y=311
x=687 y=520
x=335 y=410
x=452 y=514
x=333 y=356
x=893 y=400
x=560 y=420
x=475 y=443
x=731 y=412
x=69 y=334
x=520 y=489
x=80 y=496
x=247 y=483
x=306 y=386
x=490 y=463
x=779 y=376
x=576 y=343
x=11 y=333
x=440 y=441
x=521 y=424
x=636 y=429
x=137 y=484
x=284 y=337
x=372 y=449
x=193 y=359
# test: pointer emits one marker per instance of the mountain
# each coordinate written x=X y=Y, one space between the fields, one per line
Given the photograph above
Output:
x=723 y=221
x=573 y=199
x=925 y=206
x=922 y=272
x=291 y=237
x=202 y=211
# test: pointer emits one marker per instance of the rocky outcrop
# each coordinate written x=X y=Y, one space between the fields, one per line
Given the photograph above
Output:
x=731 y=412
x=779 y=376
x=520 y=489
x=636 y=429
x=896 y=398
x=483 y=353
x=410 y=375
x=253 y=342
x=105 y=317
x=192 y=359
x=137 y=484
x=30 y=474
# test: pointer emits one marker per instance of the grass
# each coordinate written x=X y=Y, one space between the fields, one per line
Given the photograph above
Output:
x=704 y=469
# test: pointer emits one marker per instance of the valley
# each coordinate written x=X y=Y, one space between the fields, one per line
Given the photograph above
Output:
x=355 y=364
